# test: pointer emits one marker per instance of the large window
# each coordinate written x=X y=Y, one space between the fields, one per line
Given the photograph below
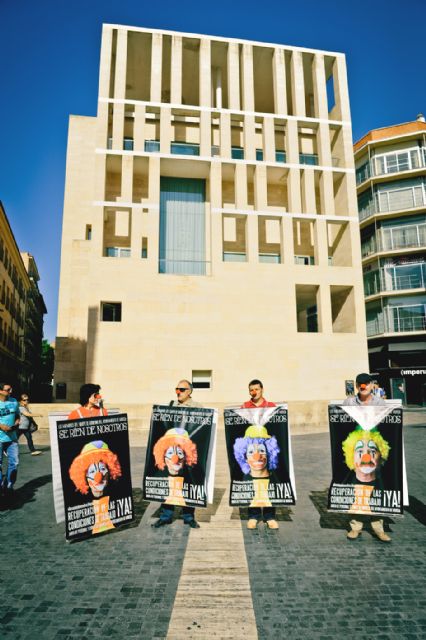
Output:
x=111 y=311
x=394 y=162
x=182 y=226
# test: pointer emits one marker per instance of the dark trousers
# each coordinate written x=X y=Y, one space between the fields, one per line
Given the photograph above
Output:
x=29 y=436
x=255 y=513
x=167 y=510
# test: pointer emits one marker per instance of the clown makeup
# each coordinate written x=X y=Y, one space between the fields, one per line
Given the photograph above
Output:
x=97 y=476
x=366 y=459
x=174 y=459
x=257 y=459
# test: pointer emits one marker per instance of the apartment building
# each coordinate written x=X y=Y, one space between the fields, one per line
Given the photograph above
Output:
x=391 y=183
x=21 y=312
x=210 y=224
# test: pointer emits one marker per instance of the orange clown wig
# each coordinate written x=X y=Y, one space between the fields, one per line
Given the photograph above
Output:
x=92 y=453
x=173 y=438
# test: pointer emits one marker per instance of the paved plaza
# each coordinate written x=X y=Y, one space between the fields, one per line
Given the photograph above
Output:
x=220 y=581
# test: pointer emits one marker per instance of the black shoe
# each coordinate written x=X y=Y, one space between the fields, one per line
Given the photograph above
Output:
x=193 y=524
x=160 y=523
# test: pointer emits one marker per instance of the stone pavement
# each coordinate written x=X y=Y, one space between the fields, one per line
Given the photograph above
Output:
x=221 y=581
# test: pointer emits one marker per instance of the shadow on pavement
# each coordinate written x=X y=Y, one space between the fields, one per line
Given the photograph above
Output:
x=417 y=509
x=26 y=493
x=329 y=520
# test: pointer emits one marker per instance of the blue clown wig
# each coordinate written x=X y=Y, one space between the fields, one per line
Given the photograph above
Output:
x=256 y=435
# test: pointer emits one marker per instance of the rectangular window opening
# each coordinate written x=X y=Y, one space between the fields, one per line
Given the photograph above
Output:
x=308 y=320
x=342 y=309
x=111 y=311
x=202 y=379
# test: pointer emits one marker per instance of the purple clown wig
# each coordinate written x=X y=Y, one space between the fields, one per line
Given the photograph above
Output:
x=256 y=435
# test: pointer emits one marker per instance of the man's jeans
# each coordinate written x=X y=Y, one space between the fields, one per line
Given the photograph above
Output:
x=166 y=513
x=255 y=513
x=12 y=463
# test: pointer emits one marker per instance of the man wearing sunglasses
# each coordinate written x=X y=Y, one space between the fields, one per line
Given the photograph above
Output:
x=183 y=399
x=9 y=421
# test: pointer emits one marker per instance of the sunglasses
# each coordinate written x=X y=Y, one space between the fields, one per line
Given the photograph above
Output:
x=182 y=389
x=7 y=390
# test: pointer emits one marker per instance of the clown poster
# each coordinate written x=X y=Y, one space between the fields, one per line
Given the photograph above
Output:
x=95 y=469
x=259 y=455
x=367 y=460
x=179 y=467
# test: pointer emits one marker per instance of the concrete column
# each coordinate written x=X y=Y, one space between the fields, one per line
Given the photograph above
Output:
x=156 y=61
x=139 y=128
x=324 y=309
x=127 y=179
x=102 y=125
x=241 y=186
x=323 y=145
x=247 y=80
x=320 y=88
x=153 y=220
x=252 y=239
x=298 y=84
x=233 y=77
x=120 y=65
x=268 y=140
x=293 y=190
x=218 y=88
x=260 y=188
x=118 y=127
x=280 y=88
x=216 y=217
x=205 y=133
x=205 y=73
x=249 y=138
x=347 y=148
x=176 y=71
x=136 y=237
x=287 y=241
x=351 y=194
x=225 y=135
x=341 y=95
x=292 y=142
x=321 y=244
x=100 y=175
x=326 y=193
x=105 y=62
x=308 y=190
x=165 y=129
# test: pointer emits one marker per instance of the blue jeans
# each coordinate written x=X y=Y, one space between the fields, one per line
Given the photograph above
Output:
x=255 y=513
x=12 y=463
x=166 y=513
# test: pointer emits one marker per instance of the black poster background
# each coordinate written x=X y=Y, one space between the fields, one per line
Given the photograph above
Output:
x=73 y=435
x=341 y=490
x=277 y=425
x=198 y=422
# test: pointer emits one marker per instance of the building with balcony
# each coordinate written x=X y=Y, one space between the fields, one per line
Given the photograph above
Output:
x=21 y=312
x=391 y=184
x=210 y=224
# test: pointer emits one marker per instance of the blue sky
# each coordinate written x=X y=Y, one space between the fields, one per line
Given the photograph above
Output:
x=49 y=69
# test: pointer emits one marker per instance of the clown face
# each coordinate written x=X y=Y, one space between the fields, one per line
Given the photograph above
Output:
x=97 y=476
x=257 y=459
x=366 y=460
x=174 y=459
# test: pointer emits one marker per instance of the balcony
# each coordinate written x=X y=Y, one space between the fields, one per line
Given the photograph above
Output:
x=184 y=267
x=389 y=201
x=152 y=146
x=403 y=319
x=185 y=148
x=390 y=163
x=395 y=278
x=410 y=236
x=308 y=158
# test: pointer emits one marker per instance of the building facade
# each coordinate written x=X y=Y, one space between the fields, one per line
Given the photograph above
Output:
x=210 y=223
x=21 y=312
x=391 y=183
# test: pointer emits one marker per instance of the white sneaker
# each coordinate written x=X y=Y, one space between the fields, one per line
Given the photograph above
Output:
x=36 y=453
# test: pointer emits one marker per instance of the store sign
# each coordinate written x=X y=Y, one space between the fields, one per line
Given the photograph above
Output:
x=413 y=372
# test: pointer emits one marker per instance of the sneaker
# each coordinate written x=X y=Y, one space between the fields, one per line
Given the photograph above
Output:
x=252 y=523
x=36 y=453
x=193 y=524
x=272 y=524
x=353 y=535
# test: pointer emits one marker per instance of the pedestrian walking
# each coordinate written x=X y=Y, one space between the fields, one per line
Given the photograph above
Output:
x=27 y=424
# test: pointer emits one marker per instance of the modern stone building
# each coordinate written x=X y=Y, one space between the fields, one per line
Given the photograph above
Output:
x=210 y=224
x=391 y=180
x=21 y=312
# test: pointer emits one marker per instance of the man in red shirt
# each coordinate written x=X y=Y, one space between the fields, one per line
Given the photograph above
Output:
x=256 y=514
x=91 y=403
